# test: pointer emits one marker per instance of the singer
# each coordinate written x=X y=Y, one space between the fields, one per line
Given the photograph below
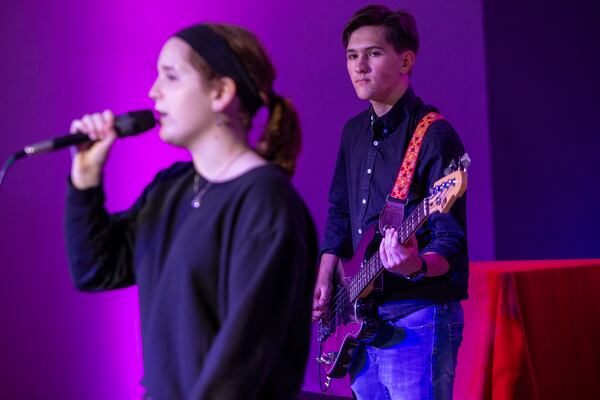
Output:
x=222 y=248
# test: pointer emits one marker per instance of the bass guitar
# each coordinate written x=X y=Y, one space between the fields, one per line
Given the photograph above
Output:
x=350 y=317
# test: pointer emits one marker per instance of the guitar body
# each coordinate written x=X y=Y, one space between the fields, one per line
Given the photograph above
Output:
x=354 y=322
x=337 y=350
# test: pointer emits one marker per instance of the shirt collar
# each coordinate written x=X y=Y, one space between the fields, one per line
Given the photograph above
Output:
x=390 y=121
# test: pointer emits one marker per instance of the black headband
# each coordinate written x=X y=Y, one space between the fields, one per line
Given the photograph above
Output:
x=215 y=50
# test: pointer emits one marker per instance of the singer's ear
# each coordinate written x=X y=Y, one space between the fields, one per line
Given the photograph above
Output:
x=223 y=92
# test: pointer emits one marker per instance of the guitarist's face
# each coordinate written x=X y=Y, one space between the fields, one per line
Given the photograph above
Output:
x=377 y=71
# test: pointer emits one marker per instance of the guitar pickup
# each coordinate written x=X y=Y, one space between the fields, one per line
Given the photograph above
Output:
x=327 y=358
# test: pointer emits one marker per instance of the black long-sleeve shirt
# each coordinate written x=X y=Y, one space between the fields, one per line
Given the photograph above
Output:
x=225 y=289
x=368 y=161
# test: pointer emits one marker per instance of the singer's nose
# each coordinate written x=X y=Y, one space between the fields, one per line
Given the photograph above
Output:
x=153 y=93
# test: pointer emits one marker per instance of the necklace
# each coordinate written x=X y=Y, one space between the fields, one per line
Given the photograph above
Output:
x=197 y=200
x=199 y=193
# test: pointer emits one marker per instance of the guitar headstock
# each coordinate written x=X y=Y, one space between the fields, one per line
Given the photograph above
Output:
x=445 y=191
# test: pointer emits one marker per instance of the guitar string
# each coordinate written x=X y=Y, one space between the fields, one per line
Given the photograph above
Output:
x=337 y=303
x=416 y=221
x=338 y=300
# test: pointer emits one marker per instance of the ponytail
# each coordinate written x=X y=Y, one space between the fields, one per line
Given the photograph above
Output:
x=280 y=141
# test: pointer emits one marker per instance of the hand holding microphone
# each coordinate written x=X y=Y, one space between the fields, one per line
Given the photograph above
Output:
x=89 y=157
x=93 y=135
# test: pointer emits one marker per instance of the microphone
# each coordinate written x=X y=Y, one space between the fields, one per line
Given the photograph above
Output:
x=128 y=124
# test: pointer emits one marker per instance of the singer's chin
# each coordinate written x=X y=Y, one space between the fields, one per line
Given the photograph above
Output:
x=164 y=135
x=170 y=138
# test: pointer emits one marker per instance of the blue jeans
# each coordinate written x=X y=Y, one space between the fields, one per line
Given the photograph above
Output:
x=413 y=355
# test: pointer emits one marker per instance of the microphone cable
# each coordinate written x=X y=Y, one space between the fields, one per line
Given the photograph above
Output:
x=8 y=163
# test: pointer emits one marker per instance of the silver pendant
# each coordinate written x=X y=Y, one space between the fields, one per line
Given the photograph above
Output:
x=197 y=199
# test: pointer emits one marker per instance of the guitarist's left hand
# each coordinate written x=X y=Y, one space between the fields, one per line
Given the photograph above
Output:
x=397 y=258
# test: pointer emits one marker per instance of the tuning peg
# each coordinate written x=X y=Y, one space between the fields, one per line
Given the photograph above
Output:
x=450 y=168
x=465 y=161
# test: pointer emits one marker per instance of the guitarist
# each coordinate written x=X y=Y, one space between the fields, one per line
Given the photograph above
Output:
x=413 y=355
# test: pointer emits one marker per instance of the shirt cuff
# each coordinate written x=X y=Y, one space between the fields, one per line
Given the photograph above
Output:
x=78 y=197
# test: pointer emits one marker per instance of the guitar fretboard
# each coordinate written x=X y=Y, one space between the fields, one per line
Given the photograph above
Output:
x=371 y=268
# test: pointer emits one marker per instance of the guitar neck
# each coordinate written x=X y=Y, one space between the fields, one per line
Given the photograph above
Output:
x=371 y=268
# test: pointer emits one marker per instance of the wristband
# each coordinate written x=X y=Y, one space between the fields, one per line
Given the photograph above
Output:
x=418 y=275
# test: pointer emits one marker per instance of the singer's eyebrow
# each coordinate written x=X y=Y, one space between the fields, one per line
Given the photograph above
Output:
x=166 y=67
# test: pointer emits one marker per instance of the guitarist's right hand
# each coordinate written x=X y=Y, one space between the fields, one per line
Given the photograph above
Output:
x=324 y=285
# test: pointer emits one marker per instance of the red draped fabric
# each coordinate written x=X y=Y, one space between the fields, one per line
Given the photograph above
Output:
x=532 y=331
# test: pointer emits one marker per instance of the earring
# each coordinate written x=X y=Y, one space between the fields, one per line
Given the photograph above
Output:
x=221 y=119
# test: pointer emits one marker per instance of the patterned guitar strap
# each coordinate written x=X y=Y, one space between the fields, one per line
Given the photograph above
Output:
x=393 y=211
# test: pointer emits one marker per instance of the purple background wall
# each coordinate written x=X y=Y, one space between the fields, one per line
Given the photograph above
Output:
x=65 y=58
x=543 y=88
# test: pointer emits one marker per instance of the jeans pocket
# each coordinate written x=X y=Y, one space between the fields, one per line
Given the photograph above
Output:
x=409 y=331
x=425 y=317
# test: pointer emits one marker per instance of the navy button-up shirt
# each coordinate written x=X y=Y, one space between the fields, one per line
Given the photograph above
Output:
x=371 y=151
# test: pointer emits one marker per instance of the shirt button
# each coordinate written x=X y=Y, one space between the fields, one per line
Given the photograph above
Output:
x=364 y=201
x=369 y=171
x=359 y=231
x=375 y=143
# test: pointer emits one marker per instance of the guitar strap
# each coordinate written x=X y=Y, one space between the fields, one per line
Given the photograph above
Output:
x=393 y=211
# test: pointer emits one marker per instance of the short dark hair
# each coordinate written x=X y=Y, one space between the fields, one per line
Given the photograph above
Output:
x=400 y=26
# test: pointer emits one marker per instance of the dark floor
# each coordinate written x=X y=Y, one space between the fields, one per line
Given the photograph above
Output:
x=319 y=396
